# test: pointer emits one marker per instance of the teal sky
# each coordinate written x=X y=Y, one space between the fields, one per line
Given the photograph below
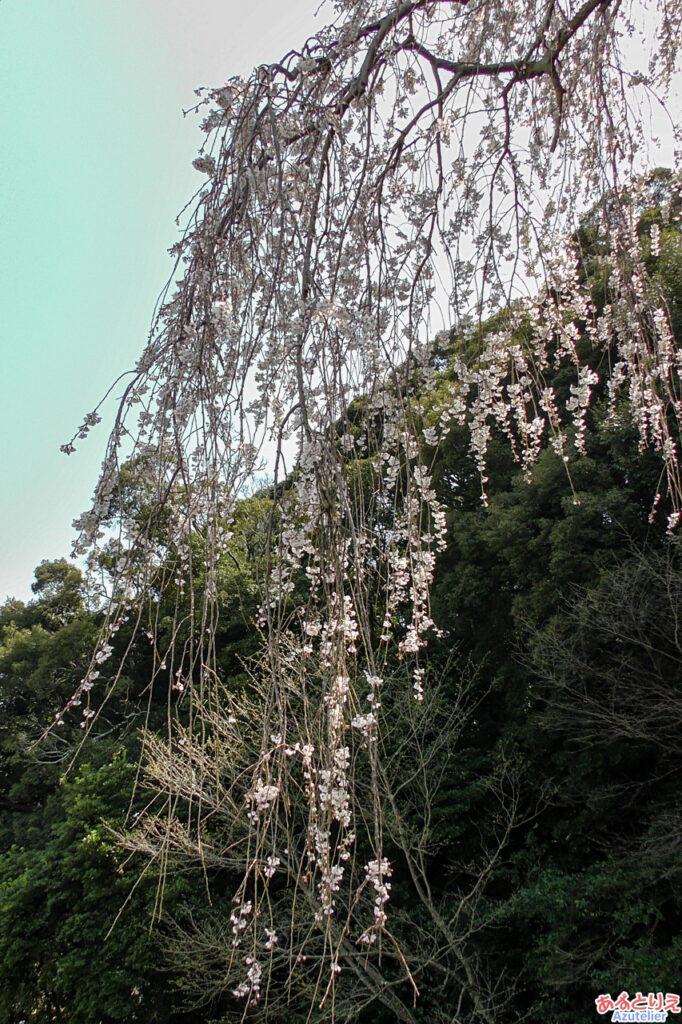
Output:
x=95 y=163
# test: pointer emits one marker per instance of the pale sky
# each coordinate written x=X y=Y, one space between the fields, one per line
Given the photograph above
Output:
x=95 y=164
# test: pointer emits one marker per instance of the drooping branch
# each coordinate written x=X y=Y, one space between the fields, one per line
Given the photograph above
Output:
x=391 y=183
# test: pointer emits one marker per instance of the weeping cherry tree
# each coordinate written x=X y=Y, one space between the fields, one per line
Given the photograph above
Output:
x=413 y=169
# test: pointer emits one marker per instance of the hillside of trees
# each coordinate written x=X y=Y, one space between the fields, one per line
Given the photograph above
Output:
x=537 y=788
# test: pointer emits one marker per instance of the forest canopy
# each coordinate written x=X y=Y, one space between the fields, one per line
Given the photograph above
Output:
x=530 y=797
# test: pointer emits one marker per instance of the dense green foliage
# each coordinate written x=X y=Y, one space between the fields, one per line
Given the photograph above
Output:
x=62 y=879
x=560 y=604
